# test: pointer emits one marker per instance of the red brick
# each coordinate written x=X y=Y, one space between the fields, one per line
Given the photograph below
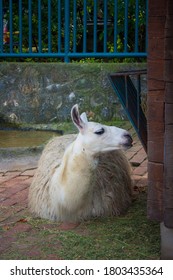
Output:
x=68 y=226
x=12 y=173
x=2 y=189
x=168 y=69
x=156 y=190
x=130 y=154
x=156 y=96
x=53 y=257
x=143 y=182
x=168 y=92
x=18 y=228
x=155 y=111
x=16 y=198
x=15 y=181
x=136 y=178
x=156 y=69
x=155 y=150
x=28 y=181
x=145 y=163
x=141 y=170
x=7 y=212
x=155 y=84
x=155 y=171
x=168 y=114
x=8 y=176
x=29 y=172
x=10 y=191
x=136 y=148
x=15 y=217
x=168 y=52
x=156 y=47
x=155 y=130
x=157 y=25
x=154 y=210
x=34 y=252
x=139 y=158
x=157 y=8
x=5 y=243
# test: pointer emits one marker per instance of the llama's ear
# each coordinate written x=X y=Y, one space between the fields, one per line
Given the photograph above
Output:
x=84 y=117
x=77 y=120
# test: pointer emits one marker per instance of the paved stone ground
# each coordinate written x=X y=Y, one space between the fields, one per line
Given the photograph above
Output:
x=14 y=183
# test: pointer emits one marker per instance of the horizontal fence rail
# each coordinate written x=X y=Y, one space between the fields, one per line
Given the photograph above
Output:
x=73 y=29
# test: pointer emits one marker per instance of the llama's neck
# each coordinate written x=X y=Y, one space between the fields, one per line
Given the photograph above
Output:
x=78 y=161
x=73 y=176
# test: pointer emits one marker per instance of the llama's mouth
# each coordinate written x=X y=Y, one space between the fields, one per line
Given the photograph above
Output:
x=129 y=141
x=127 y=146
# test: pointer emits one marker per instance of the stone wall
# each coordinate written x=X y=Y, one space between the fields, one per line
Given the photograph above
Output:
x=45 y=92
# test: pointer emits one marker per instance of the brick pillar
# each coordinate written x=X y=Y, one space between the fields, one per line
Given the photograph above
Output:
x=155 y=104
x=168 y=139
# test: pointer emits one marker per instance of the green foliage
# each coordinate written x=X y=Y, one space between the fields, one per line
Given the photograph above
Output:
x=49 y=42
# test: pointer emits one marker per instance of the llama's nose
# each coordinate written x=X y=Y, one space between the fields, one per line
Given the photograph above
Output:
x=128 y=139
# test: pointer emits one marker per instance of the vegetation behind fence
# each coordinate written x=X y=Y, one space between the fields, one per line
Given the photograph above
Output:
x=73 y=29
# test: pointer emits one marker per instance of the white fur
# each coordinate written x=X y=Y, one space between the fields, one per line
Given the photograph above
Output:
x=66 y=192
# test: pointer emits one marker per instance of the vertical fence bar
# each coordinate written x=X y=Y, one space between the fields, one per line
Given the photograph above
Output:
x=74 y=25
x=138 y=100
x=85 y=26
x=11 y=25
x=95 y=27
x=126 y=92
x=115 y=24
x=39 y=27
x=67 y=30
x=59 y=26
x=20 y=26
x=30 y=25
x=146 y=26
x=1 y=27
x=126 y=26
x=49 y=27
x=105 y=27
x=136 y=25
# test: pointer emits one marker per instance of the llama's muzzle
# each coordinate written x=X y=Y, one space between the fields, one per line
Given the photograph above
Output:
x=128 y=141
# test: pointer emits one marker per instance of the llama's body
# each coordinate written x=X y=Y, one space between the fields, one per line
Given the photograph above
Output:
x=72 y=183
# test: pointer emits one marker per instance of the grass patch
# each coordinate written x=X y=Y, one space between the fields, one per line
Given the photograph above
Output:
x=131 y=236
x=127 y=237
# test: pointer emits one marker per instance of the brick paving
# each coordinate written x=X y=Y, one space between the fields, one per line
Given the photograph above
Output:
x=14 y=186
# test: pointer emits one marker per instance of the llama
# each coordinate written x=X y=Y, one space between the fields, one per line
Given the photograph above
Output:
x=83 y=176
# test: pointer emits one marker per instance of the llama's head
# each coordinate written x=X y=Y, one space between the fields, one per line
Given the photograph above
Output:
x=95 y=137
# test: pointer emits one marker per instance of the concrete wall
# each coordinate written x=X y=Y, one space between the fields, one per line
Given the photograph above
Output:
x=45 y=92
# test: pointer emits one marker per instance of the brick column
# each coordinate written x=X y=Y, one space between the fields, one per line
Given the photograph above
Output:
x=155 y=104
x=168 y=138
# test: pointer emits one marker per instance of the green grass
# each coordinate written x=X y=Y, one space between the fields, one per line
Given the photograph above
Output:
x=131 y=236
x=128 y=237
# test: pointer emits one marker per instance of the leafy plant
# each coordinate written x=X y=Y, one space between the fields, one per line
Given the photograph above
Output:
x=42 y=26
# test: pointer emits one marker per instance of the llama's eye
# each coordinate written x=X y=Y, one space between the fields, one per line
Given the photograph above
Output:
x=100 y=131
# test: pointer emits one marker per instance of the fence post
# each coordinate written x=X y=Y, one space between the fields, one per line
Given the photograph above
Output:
x=1 y=27
x=20 y=26
x=126 y=26
x=49 y=27
x=11 y=25
x=30 y=26
x=67 y=31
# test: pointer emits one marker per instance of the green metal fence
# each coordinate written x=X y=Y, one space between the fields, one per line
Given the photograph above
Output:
x=73 y=29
